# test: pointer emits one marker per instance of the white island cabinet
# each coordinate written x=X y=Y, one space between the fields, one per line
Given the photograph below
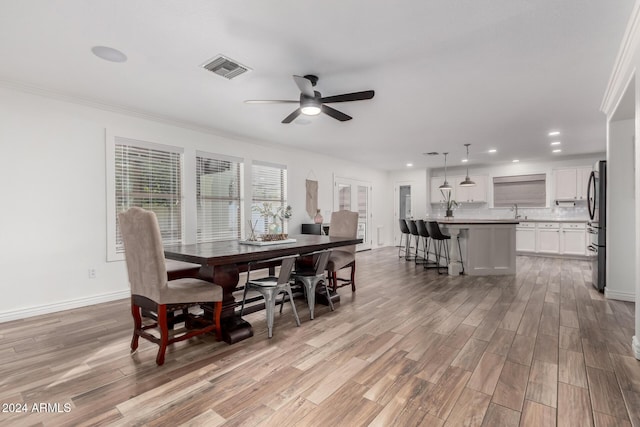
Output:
x=488 y=246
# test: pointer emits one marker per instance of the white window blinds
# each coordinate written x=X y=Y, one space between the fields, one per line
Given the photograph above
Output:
x=219 y=196
x=269 y=185
x=523 y=190
x=149 y=176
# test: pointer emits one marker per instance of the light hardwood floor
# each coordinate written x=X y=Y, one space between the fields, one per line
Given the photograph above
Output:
x=541 y=348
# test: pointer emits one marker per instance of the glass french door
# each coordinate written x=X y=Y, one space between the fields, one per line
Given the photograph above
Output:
x=355 y=196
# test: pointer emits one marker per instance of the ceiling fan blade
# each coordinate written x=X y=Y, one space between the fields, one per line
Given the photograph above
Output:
x=305 y=86
x=270 y=101
x=346 y=97
x=338 y=115
x=291 y=117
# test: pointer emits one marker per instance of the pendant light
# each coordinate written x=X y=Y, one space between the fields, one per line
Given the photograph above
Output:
x=467 y=181
x=445 y=186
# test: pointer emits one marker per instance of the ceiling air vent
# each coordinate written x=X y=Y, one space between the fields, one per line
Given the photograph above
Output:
x=225 y=67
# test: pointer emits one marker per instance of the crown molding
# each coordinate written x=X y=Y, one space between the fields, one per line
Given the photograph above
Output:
x=620 y=75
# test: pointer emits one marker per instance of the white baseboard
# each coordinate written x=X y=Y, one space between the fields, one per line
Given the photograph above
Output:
x=61 y=306
x=635 y=345
x=621 y=296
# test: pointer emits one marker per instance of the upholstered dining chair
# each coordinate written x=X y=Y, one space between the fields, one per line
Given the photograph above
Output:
x=310 y=278
x=343 y=224
x=153 y=295
x=270 y=287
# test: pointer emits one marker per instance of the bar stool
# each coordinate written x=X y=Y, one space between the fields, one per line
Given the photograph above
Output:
x=405 y=233
x=436 y=234
x=425 y=238
x=413 y=229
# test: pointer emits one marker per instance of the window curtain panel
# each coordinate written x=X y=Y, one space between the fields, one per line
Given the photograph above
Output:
x=312 y=198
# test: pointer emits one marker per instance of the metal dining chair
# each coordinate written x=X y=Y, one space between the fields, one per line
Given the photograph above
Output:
x=270 y=287
x=310 y=278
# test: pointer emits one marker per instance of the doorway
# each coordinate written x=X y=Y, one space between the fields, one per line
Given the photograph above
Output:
x=353 y=195
x=403 y=207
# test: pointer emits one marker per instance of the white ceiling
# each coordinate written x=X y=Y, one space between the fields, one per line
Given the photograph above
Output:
x=494 y=73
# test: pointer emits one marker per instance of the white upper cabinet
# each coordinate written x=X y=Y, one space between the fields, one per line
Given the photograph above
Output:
x=583 y=181
x=571 y=183
x=436 y=194
x=566 y=184
x=474 y=194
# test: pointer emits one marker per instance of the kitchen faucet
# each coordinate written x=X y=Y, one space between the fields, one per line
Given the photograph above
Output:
x=515 y=208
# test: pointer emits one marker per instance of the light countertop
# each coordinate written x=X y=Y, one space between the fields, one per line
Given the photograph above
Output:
x=477 y=221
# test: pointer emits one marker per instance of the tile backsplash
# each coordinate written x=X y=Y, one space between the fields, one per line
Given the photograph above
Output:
x=468 y=211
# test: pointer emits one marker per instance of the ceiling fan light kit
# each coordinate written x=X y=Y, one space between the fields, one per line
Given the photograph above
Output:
x=312 y=103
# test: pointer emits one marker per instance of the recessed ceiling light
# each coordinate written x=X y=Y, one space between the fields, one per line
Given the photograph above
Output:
x=554 y=133
x=409 y=165
x=557 y=150
x=493 y=150
x=465 y=160
x=109 y=54
x=515 y=160
x=555 y=143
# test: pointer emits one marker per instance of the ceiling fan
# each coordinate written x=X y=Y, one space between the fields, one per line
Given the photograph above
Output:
x=312 y=103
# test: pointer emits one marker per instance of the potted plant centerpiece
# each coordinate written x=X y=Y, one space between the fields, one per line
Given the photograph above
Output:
x=274 y=231
x=284 y=214
x=449 y=203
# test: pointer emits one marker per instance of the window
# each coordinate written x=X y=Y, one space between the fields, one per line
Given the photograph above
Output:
x=269 y=185
x=219 y=197
x=149 y=176
x=523 y=190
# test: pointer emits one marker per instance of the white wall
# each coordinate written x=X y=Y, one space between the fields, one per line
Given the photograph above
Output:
x=623 y=76
x=620 y=211
x=53 y=221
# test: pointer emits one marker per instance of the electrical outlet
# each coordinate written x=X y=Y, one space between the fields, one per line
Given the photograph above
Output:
x=92 y=273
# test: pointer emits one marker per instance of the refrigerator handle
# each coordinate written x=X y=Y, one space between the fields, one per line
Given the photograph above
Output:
x=590 y=200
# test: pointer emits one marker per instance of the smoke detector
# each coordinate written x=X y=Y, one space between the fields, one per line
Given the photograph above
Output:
x=225 y=67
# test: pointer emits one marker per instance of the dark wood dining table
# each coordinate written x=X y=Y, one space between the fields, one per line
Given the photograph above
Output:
x=221 y=263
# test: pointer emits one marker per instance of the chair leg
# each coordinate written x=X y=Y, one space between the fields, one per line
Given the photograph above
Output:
x=244 y=298
x=137 y=325
x=164 y=333
x=460 y=252
x=353 y=276
x=326 y=289
x=293 y=305
x=270 y=305
x=334 y=280
x=310 y=289
x=439 y=255
x=400 y=247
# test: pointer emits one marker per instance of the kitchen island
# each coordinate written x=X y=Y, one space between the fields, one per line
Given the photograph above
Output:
x=488 y=246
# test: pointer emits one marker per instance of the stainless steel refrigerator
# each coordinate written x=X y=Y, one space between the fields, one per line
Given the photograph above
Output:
x=597 y=226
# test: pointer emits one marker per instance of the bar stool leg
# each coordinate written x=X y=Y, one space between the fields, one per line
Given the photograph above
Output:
x=460 y=253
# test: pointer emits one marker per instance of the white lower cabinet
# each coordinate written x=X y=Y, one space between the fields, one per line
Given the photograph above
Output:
x=526 y=237
x=573 y=239
x=548 y=237
x=567 y=238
